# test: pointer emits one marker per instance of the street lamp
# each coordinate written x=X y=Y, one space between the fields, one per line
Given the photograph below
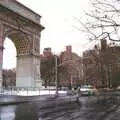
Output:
x=56 y=76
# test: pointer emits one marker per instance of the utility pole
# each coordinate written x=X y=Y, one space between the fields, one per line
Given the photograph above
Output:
x=56 y=76
x=71 y=82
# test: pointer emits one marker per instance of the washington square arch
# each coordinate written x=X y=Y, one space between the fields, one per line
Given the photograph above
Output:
x=22 y=26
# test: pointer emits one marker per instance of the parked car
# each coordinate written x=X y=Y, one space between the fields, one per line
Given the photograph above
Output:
x=87 y=90
x=109 y=89
x=118 y=88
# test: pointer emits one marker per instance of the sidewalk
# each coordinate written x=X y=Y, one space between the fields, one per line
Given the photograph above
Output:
x=12 y=100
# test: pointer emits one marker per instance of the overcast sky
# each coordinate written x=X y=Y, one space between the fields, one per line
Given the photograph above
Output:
x=58 y=20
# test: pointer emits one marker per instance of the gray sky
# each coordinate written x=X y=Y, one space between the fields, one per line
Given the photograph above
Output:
x=58 y=19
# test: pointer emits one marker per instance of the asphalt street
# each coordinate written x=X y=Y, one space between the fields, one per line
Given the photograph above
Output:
x=88 y=108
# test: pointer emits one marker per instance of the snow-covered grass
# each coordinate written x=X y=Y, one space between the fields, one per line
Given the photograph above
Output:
x=31 y=92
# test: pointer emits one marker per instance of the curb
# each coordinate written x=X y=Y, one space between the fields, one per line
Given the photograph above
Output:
x=48 y=99
x=12 y=103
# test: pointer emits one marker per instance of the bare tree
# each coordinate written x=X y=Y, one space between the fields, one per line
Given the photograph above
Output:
x=103 y=21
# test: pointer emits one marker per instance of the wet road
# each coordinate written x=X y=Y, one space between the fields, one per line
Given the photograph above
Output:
x=89 y=108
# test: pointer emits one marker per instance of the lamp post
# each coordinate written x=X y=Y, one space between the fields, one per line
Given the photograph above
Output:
x=56 y=75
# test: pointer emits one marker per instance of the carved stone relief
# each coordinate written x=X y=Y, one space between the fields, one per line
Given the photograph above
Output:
x=19 y=22
x=23 y=44
x=24 y=47
x=36 y=69
x=36 y=45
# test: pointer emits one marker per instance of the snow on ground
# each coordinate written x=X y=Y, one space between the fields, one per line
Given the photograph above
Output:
x=31 y=92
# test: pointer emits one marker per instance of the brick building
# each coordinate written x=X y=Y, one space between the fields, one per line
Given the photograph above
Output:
x=70 y=68
x=47 y=67
x=110 y=59
x=90 y=67
x=102 y=67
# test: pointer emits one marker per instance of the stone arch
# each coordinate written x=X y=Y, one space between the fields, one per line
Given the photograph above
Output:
x=24 y=46
x=24 y=29
x=22 y=43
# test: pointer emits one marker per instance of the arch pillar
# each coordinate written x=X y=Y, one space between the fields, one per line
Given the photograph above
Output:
x=1 y=53
x=28 y=71
x=1 y=62
x=28 y=64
